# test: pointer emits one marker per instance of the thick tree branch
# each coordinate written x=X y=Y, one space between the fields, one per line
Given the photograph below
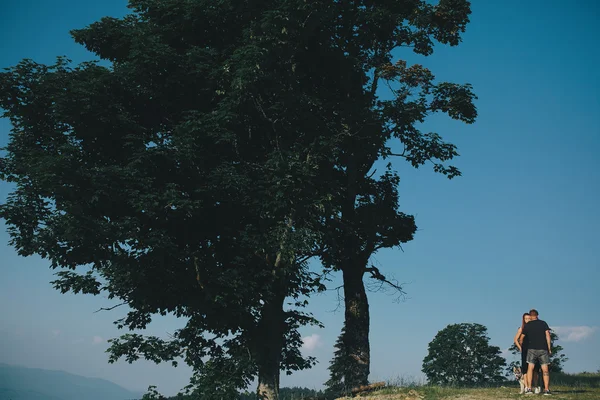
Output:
x=374 y=84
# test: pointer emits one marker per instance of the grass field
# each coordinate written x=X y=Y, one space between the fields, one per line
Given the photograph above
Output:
x=501 y=393
x=585 y=386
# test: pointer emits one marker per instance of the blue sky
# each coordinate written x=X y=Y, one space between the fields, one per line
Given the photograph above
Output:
x=518 y=230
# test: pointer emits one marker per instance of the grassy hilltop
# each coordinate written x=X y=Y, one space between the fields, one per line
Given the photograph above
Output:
x=583 y=386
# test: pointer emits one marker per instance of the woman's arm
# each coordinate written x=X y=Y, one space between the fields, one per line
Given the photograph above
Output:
x=517 y=339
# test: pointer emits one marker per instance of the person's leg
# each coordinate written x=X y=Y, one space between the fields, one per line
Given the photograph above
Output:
x=537 y=375
x=529 y=379
x=531 y=360
x=546 y=374
x=545 y=362
x=524 y=369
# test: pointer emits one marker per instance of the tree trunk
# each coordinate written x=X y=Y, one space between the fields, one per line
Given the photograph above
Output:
x=268 y=387
x=356 y=335
x=268 y=354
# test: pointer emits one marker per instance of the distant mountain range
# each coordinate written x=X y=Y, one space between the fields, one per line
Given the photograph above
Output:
x=20 y=383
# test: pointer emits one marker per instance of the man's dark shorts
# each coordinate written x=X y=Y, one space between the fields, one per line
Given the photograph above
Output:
x=540 y=356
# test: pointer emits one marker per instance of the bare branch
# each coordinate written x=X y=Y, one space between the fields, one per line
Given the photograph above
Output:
x=398 y=155
x=372 y=173
x=384 y=281
x=337 y=288
x=110 y=308
x=381 y=246
x=323 y=276
x=340 y=298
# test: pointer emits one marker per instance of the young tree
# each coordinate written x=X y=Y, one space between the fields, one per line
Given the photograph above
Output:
x=338 y=369
x=557 y=359
x=461 y=354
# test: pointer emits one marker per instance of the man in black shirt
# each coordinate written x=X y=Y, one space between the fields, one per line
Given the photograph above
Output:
x=540 y=349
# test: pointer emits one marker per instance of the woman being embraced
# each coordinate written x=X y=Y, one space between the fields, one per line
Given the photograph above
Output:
x=522 y=345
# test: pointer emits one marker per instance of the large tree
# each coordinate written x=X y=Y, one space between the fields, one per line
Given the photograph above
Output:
x=188 y=177
x=368 y=218
x=460 y=354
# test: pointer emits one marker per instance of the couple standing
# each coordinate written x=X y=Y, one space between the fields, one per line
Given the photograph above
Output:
x=533 y=340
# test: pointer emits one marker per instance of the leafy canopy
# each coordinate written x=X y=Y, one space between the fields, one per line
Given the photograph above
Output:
x=460 y=354
x=167 y=181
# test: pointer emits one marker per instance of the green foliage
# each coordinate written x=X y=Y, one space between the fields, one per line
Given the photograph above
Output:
x=557 y=359
x=340 y=367
x=165 y=178
x=369 y=217
x=578 y=380
x=460 y=354
x=293 y=393
x=153 y=394
x=225 y=145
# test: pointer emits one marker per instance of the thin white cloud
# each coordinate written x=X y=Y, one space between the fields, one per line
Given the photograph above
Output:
x=97 y=340
x=311 y=343
x=574 y=333
x=55 y=332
